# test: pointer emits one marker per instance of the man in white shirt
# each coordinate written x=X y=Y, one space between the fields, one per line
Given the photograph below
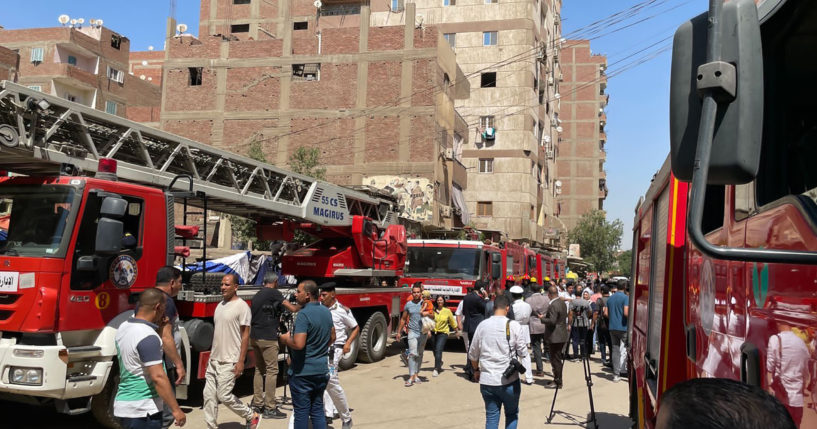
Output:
x=787 y=358
x=521 y=313
x=497 y=340
x=231 y=336
x=334 y=398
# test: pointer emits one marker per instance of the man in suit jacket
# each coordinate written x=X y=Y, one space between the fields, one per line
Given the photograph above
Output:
x=556 y=332
x=473 y=311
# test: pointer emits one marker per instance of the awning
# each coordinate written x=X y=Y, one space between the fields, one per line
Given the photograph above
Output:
x=459 y=203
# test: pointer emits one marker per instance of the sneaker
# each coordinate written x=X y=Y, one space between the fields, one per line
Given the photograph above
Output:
x=252 y=423
x=435 y=373
x=616 y=379
x=347 y=424
x=273 y=413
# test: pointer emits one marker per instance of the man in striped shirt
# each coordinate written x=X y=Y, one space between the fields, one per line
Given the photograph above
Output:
x=143 y=384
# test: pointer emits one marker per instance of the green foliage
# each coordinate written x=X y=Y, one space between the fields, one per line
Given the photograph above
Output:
x=598 y=238
x=306 y=161
x=625 y=263
x=243 y=228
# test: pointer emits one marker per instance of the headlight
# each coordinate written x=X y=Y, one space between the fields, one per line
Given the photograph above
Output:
x=28 y=353
x=29 y=376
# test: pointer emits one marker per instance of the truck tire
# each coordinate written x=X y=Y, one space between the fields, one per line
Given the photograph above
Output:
x=373 y=338
x=348 y=360
x=102 y=402
x=200 y=334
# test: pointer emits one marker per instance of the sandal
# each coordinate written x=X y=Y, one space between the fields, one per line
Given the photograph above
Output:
x=409 y=383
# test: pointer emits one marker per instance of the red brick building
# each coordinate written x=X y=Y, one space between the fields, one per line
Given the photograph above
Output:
x=87 y=65
x=378 y=102
x=580 y=164
x=8 y=64
x=147 y=65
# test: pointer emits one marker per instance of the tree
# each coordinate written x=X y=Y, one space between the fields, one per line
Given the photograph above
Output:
x=305 y=160
x=625 y=263
x=598 y=239
x=244 y=229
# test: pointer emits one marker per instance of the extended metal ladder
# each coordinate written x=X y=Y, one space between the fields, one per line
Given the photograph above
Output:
x=40 y=132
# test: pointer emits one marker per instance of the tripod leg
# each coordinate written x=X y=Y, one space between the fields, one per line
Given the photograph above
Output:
x=552 y=405
x=588 y=378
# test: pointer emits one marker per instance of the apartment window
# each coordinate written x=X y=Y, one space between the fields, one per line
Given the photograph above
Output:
x=110 y=107
x=241 y=1
x=397 y=5
x=449 y=2
x=36 y=87
x=485 y=208
x=72 y=60
x=194 y=74
x=488 y=80
x=240 y=28
x=70 y=97
x=310 y=72
x=489 y=38
x=116 y=75
x=491 y=1
x=116 y=41
x=301 y=25
x=36 y=55
x=486 y=165
x=451 y=38
x=486 y=122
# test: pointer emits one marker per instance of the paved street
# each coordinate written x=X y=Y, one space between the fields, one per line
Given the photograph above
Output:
x=379 y=400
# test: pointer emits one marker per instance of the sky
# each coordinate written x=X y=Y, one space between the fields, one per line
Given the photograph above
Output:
x=627 y=31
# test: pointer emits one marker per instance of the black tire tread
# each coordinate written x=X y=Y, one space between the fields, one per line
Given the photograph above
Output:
x=364 y=354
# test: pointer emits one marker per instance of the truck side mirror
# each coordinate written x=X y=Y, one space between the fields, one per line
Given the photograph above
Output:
x=114 y=207
x=735 y=155
x=109 y=233
x=496 y=270
x=496 y=257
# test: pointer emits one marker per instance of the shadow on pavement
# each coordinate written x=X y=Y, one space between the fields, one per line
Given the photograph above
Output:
x=604 y=421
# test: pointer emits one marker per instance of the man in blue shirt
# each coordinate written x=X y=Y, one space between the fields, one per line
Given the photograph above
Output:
x=309 y=344
x=412 y=316
x=616 y=311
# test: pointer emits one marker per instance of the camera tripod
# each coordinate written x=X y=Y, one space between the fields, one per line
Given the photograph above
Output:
x=587 y=378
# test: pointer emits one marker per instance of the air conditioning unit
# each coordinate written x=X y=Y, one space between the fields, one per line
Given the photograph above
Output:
x=446 y=211
x=448 y=153
x=549 y=154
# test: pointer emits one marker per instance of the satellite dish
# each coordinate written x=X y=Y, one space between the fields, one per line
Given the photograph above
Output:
x=317 y=4
x=557 y=96
x=558 y=183
x=63 y=19
x=99 y=23
x=141 y=76
x=546 y=139
x=559 y=129
x=150 y=48
x=92 y=21
x=144 y=62
x=150 y=79
x=73 y=22
x=181 y=28
x=81 y=20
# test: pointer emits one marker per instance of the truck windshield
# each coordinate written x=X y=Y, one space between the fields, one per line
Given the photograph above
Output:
x=33 y=219
x=443 y=262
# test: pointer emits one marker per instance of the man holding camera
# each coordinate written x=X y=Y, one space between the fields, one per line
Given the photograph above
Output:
x=267 y=305
x=496 y=354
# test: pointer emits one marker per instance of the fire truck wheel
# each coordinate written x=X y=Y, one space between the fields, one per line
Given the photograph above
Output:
x=373 y=338
x=348 y=360
x=102 y=403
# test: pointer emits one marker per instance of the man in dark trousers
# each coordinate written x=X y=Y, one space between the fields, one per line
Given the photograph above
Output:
x=556 y=332
x=473 y=310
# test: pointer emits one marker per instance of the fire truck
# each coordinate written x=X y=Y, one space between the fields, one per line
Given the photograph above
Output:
x=449 y=267
x=725 y=239
x=78 y=247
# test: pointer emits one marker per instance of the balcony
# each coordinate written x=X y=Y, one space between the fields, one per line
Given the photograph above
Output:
x=602 y=136
x=459 y=175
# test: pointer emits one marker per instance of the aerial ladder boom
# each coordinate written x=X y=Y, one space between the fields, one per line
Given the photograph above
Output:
x=40 y=132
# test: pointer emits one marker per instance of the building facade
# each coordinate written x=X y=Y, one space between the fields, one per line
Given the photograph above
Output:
x=582 y=149
x=87 y=65
x=147 y=65
x=509 y=53
x=377 y=102
x=9 y=61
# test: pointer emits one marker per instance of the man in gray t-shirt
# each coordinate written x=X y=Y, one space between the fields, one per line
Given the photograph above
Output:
x=580 y=315
x=412 y=316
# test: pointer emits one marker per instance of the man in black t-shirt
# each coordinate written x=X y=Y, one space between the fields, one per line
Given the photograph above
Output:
x=266 y=308
x=169 y=281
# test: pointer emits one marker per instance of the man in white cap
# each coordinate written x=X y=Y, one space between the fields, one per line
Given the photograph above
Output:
x=521 y=313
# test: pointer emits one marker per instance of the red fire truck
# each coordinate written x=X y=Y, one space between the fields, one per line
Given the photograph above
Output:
x=725 y=242
x=78 y=249
x=449 y=267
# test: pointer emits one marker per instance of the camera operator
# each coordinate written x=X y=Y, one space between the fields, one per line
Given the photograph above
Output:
x=496 y=354
x=267 y=307
x=580 y=320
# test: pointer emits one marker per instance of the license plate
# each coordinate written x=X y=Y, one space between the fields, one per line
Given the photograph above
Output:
x=447 y=290
x=8 y=281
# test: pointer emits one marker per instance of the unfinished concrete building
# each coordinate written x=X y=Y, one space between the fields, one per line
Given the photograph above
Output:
x=377 y=101
x=581 y=152
x=87 y=65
